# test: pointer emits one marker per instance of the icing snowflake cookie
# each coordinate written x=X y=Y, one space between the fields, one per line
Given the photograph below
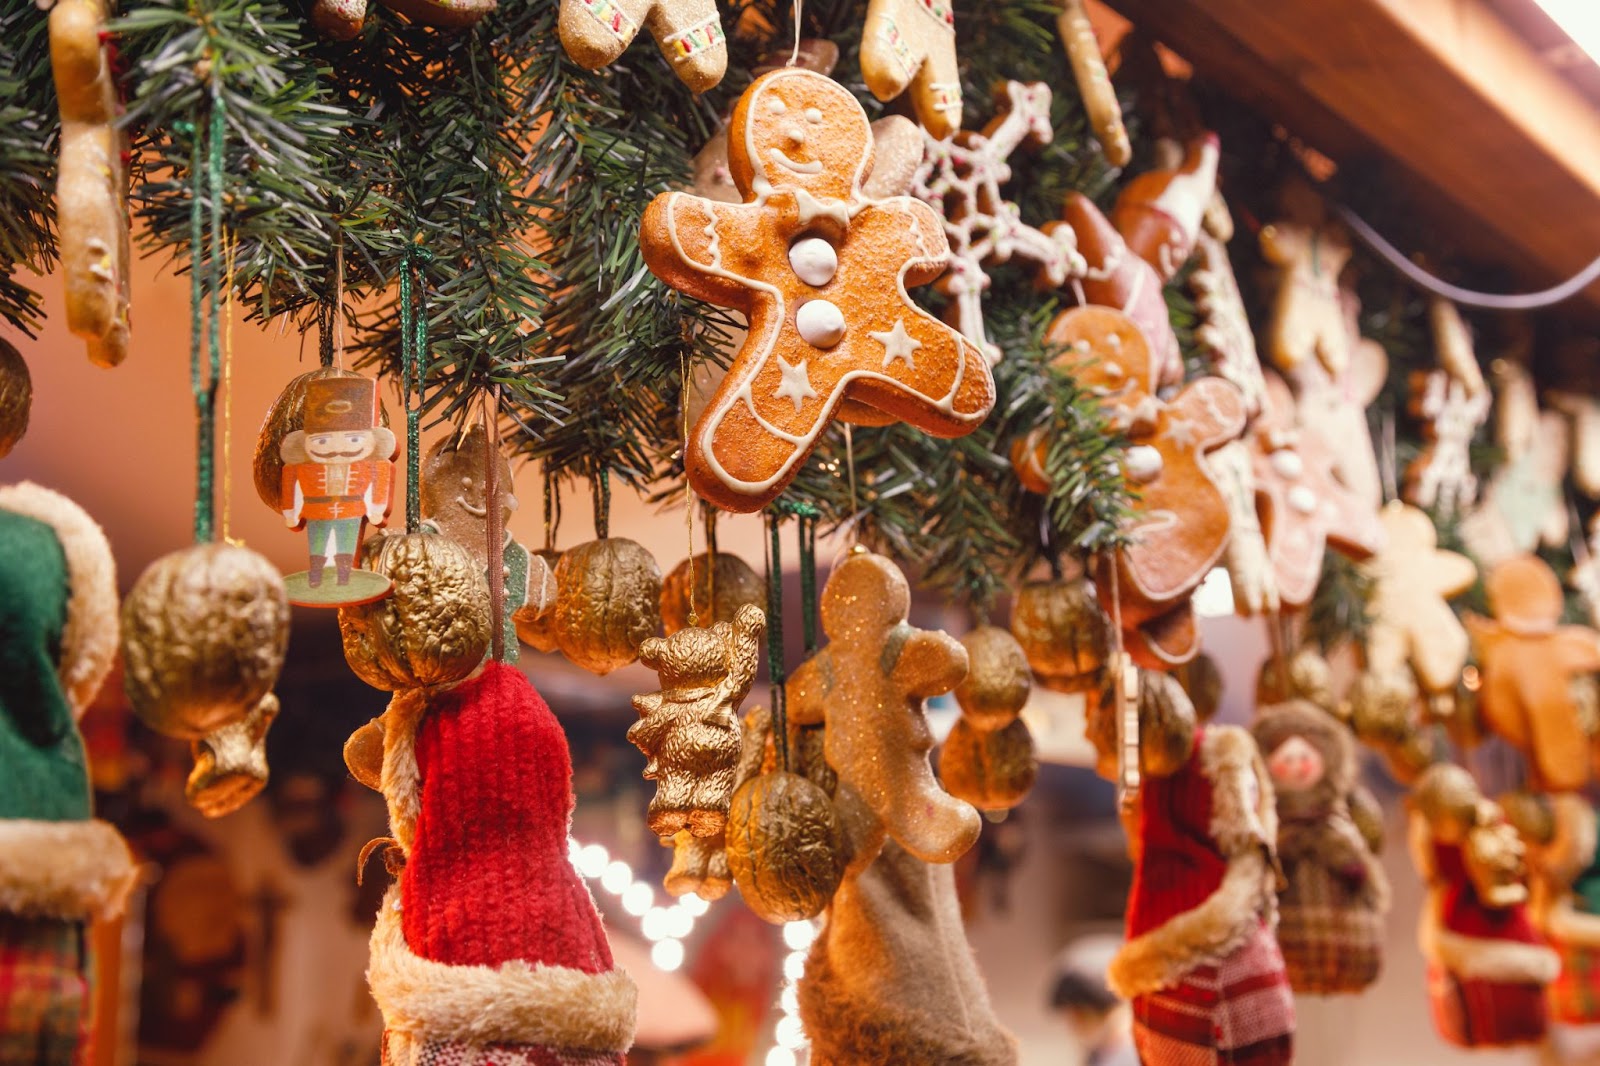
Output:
x=92 y=189
x=912 y=44
x=596 y=32
x=961 y=178
x=800 y=148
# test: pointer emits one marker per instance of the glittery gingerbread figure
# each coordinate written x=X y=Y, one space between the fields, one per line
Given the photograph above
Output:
x=821 y=272
x=961 y=179
x=689 y=731
x=912 y=44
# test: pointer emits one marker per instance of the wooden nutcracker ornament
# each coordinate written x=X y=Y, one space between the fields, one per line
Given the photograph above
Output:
x=821 y=272
x=688 y=731
x=1527 y=662
x=1486 y=964
x=1201 y=967
x=961 y=177
x=338 y=476
x=1335 y=894
x=92 y=184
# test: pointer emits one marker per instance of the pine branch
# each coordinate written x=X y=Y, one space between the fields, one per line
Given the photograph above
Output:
x=28 y=127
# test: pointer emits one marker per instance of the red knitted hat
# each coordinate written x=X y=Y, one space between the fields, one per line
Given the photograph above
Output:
x=497 y=939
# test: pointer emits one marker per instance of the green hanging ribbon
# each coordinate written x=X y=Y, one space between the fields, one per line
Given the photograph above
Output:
x=205 y=173
x=806 y=516
x=413 y=346
x=775 y=665
x=602 y=504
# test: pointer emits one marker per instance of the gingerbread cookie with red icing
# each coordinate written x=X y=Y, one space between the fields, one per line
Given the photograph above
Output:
x=912 y=44
x=1302 y=506
x=1180 y=523
x=688 y=32
x=821 y=272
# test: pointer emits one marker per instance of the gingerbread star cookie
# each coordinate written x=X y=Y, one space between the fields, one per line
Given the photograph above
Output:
x=821 y=272
x=1303 y=507
x=1411 y=620
x=912 y=44
x=688 y=32
x=961 y=178
x=1528 y=662
x=1180 y=523
x=92 y=187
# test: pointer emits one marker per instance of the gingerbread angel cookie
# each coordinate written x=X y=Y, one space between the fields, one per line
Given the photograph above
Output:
x=1333 y=404
x=688 y=32
x=961 y=178
x=1303 y=507
x=1180 y=523
x=821 y=272
x=912 y=44
x=1411 y=620
x=92 y=187
x=1528 y=661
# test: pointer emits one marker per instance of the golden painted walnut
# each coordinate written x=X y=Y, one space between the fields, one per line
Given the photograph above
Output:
x=203 y=637
x=989 y=758
x=867 y=686
x=720 y=589
x=435 y=627
x=608 y=602
x=1063 y=632
x=689 y=731
x=785 y=846
x=230 y=765
x=16 y=397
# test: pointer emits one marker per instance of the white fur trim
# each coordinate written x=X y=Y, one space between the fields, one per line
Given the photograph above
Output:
x=1480 y=959
x=1567 y=925
x=513 y=1003
x=1244 y=811
x=89 y=641
x=77 y=869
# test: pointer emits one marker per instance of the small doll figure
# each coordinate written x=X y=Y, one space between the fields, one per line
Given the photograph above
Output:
x=1201 y=967
x=1487 y=966
x=337 y=476
x=1564 y=895
x=1330 y=910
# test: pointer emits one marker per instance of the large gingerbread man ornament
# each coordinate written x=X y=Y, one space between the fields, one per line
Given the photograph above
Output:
x=1181 y=514
x=1303 y=507
x=868 y=685
x=821 y=272
x=689 y=33
x=1411 y=620
x=912 y=44
x=1528 y=662
x=92 y=189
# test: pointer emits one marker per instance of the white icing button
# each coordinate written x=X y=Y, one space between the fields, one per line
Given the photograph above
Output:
x=821 y=324
x=814 y=261
x=1302 y=499
x=1287 y=464
x=776 y=106
x=1143 y=464
x=813 y=114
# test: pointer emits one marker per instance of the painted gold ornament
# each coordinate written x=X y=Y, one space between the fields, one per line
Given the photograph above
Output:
x=288 y=415
x=363 y=754
x=230 y=765
x=435 y=627
x=785 y=847
x=16 y=397
x=203 y=637
x=1063 y=632
x=699 y=865
x=535 y=623
x=689 y=731
x=608 y=602
x=720 y=589
x=1168 y=726
x=991 y=769
x=998 y=680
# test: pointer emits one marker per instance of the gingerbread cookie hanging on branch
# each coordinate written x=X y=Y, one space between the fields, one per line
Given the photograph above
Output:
x=1453 y=402
x=821 y=271
x=688 y=32
x=911 y=44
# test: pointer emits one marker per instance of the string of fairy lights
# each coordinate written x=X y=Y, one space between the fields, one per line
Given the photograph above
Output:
x=667 y=927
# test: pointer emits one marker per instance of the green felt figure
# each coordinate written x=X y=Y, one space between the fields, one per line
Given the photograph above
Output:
x=60 y=868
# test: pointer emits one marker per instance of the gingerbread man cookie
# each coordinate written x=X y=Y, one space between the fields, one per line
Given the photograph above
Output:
x=342 y=19
x=1159 y=212
x=1094 y=84
x=92 y=186
x=912 y=44
x=867 y=685
x=1224 y=334
x=1308 y=315
x=1333 y=405
x=961 y=178
x=1303 y=507
x=1528 y=662
x=1411 y=620
x=821 y=273
x=1585 y=414
x=1441 y=475
x=1180 y=523
x=689 y=33
x=1255 y=589
x=1525 y=503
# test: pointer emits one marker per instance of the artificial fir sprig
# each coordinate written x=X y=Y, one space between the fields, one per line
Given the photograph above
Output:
x=28 y=129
